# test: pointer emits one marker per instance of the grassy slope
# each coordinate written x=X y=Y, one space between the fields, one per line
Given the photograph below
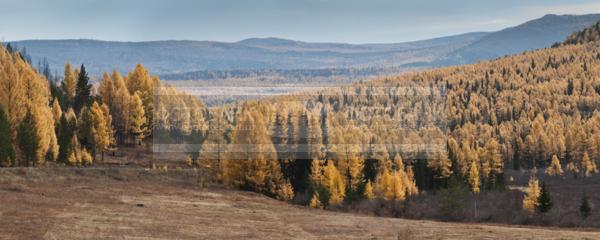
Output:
x=85 y=203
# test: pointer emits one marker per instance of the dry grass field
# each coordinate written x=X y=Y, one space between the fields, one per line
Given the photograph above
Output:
x=137 y=203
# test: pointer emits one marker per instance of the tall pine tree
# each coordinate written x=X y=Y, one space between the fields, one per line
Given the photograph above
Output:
x=28 y=140
x=544 y=201
x=7 y=154
x=65 y=135
x=83 y=89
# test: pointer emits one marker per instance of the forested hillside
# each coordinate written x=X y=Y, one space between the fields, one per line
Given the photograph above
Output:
x=586 y=35
x=534 y=111
x=450 y=132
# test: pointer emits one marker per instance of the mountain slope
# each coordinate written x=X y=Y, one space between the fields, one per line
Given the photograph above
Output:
x=538 y=33
x=165 y=57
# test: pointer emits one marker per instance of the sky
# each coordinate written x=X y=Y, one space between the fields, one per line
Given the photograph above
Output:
x=349 y=21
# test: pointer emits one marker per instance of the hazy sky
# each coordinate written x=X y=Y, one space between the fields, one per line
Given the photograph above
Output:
x=352 y=21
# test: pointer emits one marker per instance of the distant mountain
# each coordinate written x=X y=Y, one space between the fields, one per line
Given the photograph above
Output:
x=181 y=57
x=538 y=33
x=168 y=57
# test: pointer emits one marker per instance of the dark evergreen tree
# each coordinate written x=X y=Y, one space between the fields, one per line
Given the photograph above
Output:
x=28 y=140
x=195 y=140
x=303 y=151
x=325 y=130
x=290 y=137
x=56 y=91
x=279 y=135
x=517 y=156
x=302 y=162
x=64 y=136
x=544 y=200
x=585 y=209
x=9 y=48
x=370 y=168
x=7 y=153
x=85 y=129
x=279 y=139
x=423 y=174
x=453 y=200
x=83 y=96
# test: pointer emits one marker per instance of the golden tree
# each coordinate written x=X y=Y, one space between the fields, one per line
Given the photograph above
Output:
x=56 y=110
x=121 y=106
x=334 y=182
x=398 y=186
x=474 y=177
x=102 y=128
x=106 y=90
x=368 y=193
x=139 y=81
x=137 y=118
x=530 y=202
x=589 y=167
x=384 y=186
x=555 y=168
x=69 y=84
x=315 y=201
x=214 y=146
x=440 y=163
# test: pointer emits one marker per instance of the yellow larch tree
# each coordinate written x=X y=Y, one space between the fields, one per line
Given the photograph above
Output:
x=409 y=181
x=56 y=110
x=69 y=83
x=334 y=182
x=440 y=163
x=212 y=151
x=121 y=107
x=589 y=167
x=532 y=193
x=106 y=90
x=315 y=201
x=139 y=81
x=102 y=128
x=398 y=187
x=474 y=177
x=368 y=193
x=555 y=168
x=137 y=118
x=384 y=185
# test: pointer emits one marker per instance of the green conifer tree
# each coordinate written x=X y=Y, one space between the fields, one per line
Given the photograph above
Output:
x=7 y=154
x=585 y=209
x=83 y=89
x=544 y=200
x=28 y=140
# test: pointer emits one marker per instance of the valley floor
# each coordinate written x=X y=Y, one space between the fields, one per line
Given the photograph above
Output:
x=59 y=203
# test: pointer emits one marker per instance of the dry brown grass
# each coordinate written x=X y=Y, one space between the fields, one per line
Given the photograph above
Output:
x=156 y=204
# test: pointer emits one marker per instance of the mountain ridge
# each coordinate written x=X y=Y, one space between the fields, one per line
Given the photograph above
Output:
x=184 y=56
x=537 y=33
